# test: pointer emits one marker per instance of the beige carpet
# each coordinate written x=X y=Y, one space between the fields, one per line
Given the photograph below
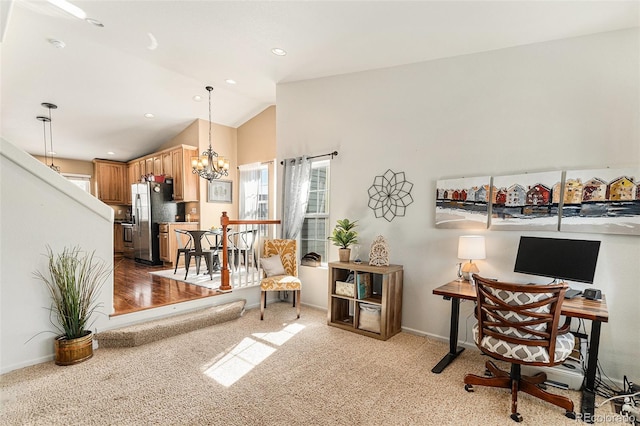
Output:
x=280 y=371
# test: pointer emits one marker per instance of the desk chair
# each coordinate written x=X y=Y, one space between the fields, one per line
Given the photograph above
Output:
x=185 y=244
x=280 y=268
x=519 y=324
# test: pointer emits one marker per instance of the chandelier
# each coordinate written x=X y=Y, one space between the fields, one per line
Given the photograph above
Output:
x=209 y=165
x=46 y=120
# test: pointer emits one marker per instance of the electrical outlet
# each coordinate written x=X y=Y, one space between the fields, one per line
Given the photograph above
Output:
x=194 y=211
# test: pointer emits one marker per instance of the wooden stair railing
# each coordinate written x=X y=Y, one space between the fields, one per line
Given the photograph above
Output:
x=225 y=222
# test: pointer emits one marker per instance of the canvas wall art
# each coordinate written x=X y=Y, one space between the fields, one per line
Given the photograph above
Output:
x=602 y=201
x=463 y=203
x=526 y=202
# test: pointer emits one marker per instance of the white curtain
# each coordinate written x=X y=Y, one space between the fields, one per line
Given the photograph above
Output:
x=250 y=176
x=297 y=178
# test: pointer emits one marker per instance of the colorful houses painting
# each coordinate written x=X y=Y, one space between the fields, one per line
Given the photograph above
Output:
x=526 y=201
x=463 y=203
x=602 y=201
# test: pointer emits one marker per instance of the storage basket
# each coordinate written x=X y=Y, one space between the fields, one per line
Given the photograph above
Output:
x=345 y=289
x=369 y=318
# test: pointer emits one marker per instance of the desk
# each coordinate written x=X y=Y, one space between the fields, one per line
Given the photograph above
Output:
x=578 y=307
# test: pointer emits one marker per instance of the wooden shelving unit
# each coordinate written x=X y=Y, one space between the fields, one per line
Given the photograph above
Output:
x=386 y=295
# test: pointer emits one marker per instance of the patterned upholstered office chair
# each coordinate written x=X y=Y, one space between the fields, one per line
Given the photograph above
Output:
x=280 y=268
x=518 y=323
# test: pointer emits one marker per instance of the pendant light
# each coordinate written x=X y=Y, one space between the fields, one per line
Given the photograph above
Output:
x=209 y=165
x=46 y=120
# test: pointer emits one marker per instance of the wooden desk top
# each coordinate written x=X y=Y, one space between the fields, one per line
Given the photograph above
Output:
x=578 y=307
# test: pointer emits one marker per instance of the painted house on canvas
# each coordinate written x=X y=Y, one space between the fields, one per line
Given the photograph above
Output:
x=572 y=191
x=622 y=189
x=516 y=196
x=594 y=190
x=538 y=195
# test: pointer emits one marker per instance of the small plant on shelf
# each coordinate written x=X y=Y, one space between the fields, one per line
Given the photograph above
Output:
x=343 y=236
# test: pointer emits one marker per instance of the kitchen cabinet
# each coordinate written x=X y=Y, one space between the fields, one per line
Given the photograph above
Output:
x=148 y=165
x=167 y=164
x=169 y=242
x=118 y=239
x=110 y=181
x=186 y=186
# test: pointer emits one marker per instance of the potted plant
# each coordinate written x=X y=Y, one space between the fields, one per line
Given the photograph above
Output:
x=343 y=236
x=74 y=280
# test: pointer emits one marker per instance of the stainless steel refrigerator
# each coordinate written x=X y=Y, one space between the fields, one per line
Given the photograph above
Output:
x=152 y=203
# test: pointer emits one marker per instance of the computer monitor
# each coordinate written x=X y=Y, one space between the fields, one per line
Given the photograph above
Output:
x=557 y=258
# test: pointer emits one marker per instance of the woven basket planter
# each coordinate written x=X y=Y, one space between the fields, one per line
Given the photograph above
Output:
x=73 y=351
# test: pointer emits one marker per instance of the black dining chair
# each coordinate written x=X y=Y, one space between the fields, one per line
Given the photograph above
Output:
x=240 y=245
x=185 y=244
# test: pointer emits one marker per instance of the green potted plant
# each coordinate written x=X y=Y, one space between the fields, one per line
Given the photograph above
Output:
x=74 y=280
x=343 y=236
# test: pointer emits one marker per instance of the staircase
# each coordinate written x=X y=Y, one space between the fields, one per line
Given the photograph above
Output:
x=147 y=332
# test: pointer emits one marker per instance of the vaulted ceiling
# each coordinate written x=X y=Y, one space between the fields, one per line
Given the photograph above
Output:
x=155 y=56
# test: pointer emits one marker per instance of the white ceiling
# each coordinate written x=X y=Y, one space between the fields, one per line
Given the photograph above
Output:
x=106 y=79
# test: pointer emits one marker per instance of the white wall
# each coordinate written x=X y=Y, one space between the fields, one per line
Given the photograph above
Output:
x=567 y=104
x=40 y=207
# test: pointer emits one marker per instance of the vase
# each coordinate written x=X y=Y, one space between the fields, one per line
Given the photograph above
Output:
x=73 y=351
x=344 y=254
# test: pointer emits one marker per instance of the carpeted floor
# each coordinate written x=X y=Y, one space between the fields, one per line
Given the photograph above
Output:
x=280 y=371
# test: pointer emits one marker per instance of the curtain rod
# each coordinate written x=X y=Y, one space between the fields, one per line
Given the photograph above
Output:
x=332 y=154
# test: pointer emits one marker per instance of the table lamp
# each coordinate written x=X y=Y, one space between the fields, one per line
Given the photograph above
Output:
x=470 y=247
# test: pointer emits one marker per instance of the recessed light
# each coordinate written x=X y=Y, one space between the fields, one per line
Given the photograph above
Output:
x=111 y=153
x=197 y=98
x=59 y=44
x=94 y=22
x=149 y=115
x=230 y=81
x=279 y=52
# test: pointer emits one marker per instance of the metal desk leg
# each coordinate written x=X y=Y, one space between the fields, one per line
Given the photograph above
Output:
x=454 y=349
x=588 y=391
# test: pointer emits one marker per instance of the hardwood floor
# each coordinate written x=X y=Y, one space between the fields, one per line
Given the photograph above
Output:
x=134 y=289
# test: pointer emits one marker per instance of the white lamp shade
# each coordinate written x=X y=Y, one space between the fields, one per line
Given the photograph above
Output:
x=471 y=247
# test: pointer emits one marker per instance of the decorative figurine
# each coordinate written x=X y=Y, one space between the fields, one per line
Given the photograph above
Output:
x=379 y=255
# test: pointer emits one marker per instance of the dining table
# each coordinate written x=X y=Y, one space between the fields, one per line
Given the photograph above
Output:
x=210 y=254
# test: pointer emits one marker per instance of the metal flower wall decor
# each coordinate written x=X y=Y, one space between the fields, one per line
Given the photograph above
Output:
x=390 y=195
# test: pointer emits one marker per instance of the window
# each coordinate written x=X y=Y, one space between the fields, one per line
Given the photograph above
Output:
x=313 y=237
x=82 y=181
x=254 y=192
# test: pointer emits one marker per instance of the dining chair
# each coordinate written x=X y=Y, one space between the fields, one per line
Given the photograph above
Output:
x=519 y=323
x=198 y=252
x=185 y=244
x=280 y=269
x=240 y=245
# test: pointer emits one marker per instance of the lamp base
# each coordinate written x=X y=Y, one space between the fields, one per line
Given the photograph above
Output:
x=468 y=269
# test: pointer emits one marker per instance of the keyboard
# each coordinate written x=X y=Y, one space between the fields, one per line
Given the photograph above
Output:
x=571 y=293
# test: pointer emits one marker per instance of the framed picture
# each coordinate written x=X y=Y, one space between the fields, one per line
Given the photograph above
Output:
x=220 y=191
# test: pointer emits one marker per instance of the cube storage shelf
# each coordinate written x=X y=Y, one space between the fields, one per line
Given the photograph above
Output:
x=359 y=314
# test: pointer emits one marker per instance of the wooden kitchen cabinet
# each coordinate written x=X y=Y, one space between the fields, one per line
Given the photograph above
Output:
x=167 y=164
x=110 y=181
x=118 y=239
x=186 y=186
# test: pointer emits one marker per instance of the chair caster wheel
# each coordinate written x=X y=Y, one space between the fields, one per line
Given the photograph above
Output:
x=516 y=417
x=571 y=415
x=468 y=388
x=542 y=386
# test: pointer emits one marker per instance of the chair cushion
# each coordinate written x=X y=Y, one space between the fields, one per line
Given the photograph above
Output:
x=525 y=353
x=280 y=282
x=272 y=266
